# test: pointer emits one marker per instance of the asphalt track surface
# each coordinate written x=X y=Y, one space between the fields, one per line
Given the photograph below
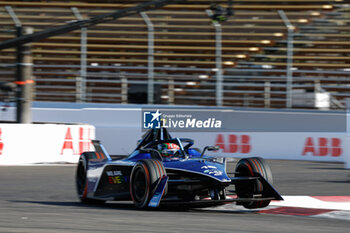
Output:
x=43 y=199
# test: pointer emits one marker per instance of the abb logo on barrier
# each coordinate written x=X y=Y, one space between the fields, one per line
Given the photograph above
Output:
x=1 y=143
x=84 y=141
x=234 y=143
x=323 y=147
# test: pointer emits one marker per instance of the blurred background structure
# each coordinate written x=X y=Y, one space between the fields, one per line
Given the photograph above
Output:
x=270 y=53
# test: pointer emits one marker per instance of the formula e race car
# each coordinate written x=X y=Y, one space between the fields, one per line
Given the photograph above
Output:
x=167 y=171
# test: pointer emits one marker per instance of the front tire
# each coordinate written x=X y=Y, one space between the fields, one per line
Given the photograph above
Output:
x=251 y=167
x=143 y=181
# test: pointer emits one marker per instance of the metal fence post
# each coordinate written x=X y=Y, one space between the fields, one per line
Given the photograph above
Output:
x=218 y=55
x=81 y=81
x=150 y=87
x=25 y=81
x=24 y=78
x=171 y=86
x=267 y=94
x=289 y=85
x=124 y=90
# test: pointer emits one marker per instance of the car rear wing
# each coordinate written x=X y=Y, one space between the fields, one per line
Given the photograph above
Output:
x=100 y=152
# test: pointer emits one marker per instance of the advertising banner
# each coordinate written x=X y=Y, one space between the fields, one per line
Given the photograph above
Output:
x=43 y=143
x=272 y=134
x=275 y=145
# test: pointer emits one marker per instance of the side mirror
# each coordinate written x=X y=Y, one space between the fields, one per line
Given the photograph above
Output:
x=213 y=148
x=210 y=148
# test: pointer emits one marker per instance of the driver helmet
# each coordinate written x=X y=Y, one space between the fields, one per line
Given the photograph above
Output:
x=168 y=149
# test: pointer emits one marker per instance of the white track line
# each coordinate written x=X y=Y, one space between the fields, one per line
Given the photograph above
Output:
x=311 y=202
x=336 y=207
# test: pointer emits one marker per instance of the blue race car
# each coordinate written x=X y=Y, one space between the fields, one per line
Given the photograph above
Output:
x=163 y=170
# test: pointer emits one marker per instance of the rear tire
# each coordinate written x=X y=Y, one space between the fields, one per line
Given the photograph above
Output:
x=82 y=182
x=250 y=167
x=144 y=179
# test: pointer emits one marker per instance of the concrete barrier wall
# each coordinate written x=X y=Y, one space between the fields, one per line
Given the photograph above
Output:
x=291 y=146
x=119 y=128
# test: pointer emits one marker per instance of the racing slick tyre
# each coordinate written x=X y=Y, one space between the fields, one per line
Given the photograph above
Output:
x=82 y=182
x=250 y=167
x=144 y=180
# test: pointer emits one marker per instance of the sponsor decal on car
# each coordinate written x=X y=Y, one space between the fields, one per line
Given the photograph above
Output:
x=114 y=173
x=116 y=177
x=212 y=170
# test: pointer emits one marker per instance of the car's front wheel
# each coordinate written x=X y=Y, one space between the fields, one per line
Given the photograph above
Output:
x=251 y=167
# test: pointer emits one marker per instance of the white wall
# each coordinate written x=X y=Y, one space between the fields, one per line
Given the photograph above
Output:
x=43 y=143
x=119 y=129
x=291 y=146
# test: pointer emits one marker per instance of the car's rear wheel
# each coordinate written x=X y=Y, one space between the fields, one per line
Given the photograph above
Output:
x=251 y=167
x=143 y=181
x=82 y=182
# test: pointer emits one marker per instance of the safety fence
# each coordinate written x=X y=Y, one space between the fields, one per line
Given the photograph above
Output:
x=240 y=86
x=293 y=56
